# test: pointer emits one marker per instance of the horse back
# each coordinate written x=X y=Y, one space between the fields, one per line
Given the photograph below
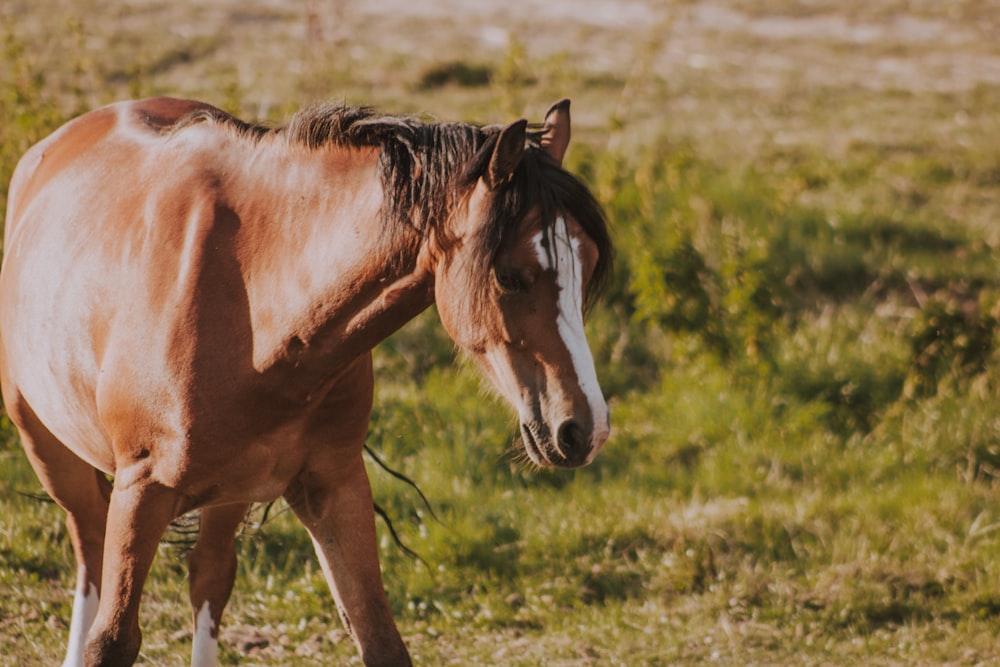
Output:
x=79 y=138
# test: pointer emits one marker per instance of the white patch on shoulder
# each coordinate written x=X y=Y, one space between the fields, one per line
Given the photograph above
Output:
x=566 y=256
x=205 y=647
x=84 y=611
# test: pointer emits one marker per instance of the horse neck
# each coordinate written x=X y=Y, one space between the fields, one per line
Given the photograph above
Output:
x=328 y=278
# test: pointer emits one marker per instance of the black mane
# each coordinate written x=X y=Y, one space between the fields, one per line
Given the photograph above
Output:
x=428 y=168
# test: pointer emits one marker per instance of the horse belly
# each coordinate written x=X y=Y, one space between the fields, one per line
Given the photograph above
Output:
x=67 y=415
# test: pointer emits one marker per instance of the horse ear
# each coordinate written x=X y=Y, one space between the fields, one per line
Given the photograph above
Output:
x=555 y=137
x=507 y=154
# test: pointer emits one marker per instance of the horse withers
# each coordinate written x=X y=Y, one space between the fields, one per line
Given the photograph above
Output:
x=188 y=304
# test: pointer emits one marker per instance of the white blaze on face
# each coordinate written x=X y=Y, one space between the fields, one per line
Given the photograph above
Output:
x=205 y=647
x=569 y=277
x=84 y=612
x=506 y=382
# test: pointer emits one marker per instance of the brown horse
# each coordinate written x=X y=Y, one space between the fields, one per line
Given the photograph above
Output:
x=188 y=304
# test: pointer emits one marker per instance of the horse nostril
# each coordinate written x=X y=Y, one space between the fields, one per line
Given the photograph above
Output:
x=573 y=441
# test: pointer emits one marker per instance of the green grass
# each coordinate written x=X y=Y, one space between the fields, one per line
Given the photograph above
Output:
x=799 y=344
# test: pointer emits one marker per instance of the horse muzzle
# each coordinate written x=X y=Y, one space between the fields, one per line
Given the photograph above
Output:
x=574 y=443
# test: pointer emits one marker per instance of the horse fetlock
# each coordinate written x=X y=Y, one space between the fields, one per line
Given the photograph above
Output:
x=387 y=655
x=110 y=649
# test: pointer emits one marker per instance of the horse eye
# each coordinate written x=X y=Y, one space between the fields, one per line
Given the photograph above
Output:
x=513 y=281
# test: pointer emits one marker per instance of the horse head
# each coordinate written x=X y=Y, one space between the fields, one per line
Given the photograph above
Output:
x=528 y=249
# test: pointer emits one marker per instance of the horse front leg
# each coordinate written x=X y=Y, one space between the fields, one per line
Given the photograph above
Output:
x=335 y=505
x=139 y=512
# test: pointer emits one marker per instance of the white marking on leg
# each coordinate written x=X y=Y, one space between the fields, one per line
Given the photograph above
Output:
x=84 y=612
x=569 y=279
x=205 y=647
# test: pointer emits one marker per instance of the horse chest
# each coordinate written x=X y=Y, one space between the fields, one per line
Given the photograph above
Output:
x=248 y=445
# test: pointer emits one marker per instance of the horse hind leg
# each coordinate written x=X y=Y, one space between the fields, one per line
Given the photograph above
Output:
x=83 y=492
x=212 y=571
x=87 y=536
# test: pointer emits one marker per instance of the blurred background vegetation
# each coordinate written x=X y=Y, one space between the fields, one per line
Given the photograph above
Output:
x=799 y=344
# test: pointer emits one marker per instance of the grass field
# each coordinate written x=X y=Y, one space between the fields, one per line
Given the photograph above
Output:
x=799 y=345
